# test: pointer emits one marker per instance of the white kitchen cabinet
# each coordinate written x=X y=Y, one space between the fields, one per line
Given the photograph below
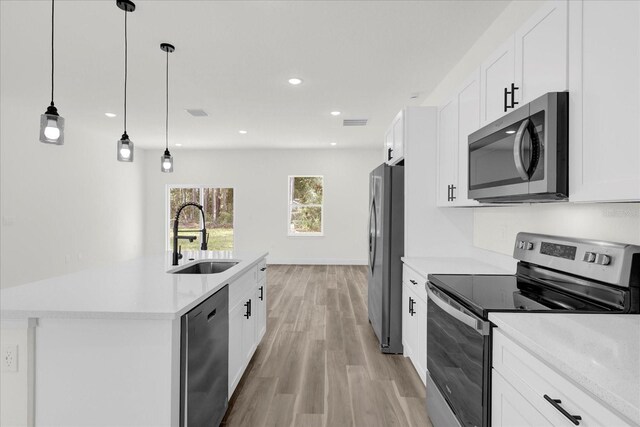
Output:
x=414 y=320
x=497 y=73
x=447 y=152
x=457 y=119
x=394 y=140
x=604 y=109
x=529 y=63
x=509 y=408
x=533 y=380
x=247 y=320
x=541 y=60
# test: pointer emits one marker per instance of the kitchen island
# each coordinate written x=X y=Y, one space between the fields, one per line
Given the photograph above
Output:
x=104 y=344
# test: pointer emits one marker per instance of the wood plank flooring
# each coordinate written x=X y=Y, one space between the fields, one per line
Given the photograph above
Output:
x=318 y=364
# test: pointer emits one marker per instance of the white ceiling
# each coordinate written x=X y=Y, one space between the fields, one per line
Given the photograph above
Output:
x=233 y=59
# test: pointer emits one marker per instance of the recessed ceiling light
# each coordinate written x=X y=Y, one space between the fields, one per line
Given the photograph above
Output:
x=110 y=115
x=334 y=143
x=510 y=132
x=178 y=145
x=335 y=113
x=243 y=132
x=295 y=81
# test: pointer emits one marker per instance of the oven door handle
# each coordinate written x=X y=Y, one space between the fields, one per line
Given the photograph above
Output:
x=517 y=151
x=459 y=313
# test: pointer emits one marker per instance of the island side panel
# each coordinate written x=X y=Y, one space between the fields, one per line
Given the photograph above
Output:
x=106 y=372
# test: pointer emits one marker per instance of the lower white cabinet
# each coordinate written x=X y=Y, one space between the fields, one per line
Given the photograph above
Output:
x=509 y=408
x=526 y=391
x=414 y=321
x=247 y=321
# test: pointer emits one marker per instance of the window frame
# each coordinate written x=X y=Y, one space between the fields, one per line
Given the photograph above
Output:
x=290 y=206
x=167 y=206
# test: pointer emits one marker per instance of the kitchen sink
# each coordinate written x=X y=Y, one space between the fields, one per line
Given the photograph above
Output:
x=206 y=267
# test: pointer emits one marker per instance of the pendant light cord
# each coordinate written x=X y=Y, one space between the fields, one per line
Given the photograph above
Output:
x=166 y=124
x=125 y=71
x=52 y=46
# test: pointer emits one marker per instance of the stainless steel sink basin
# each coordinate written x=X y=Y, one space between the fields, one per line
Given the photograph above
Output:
x=206 y=267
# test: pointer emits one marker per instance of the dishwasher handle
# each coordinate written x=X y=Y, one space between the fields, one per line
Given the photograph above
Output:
x=456 y=311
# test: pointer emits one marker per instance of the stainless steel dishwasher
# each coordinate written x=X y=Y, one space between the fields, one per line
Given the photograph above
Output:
x=204 y=362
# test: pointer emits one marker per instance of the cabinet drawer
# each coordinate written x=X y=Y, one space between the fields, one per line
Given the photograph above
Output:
x=240 y=287
x=262 y=270
x=415 y=282
x=534 y=379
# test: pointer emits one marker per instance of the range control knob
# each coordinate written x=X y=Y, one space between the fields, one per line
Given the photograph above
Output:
x=589 y=257
x=521 y=244
x=528 y=246
x=603 y=259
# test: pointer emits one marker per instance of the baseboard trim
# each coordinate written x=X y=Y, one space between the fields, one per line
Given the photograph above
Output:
x=316 y=261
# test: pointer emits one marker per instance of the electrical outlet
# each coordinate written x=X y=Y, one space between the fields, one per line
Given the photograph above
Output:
x=10 y=358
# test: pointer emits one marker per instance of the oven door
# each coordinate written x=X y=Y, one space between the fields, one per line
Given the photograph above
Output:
x=458 y=358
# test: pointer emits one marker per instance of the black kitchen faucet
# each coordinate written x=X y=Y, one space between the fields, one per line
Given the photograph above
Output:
x=205 y=236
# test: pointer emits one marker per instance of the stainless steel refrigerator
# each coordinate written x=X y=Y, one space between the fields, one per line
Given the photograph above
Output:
x=386 y=246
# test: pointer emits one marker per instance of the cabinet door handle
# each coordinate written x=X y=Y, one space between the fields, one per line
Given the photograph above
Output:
x=411 y=302
x=506 y=97
x=247 y=304
x=409 y=305
x=261 y=293
x=413 y=281
x=556 y=404
x=513 y=94
x=448 y=193
x=389 y=151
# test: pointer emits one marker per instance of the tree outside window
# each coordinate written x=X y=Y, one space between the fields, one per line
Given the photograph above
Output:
x=306 y=197
x=218 y=211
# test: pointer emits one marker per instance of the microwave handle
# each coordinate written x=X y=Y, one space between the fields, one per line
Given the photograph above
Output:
x=460 y=314
x=517 y=151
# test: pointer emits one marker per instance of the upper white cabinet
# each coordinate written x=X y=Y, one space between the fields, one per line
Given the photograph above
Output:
x=395 y=140
x=541 y=53
x=529 y=64
x=456 y=120
x=604 y=109
x=497 y=75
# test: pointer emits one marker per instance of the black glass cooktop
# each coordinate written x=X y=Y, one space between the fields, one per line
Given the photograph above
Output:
x=484 y=293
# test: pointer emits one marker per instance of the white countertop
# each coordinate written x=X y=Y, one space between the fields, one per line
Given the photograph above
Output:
x=453 y=265
x=598 y=352
x=137 y=289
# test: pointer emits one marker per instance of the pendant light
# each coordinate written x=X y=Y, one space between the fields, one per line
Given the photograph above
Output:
x=125 y=146
x=166 y=161
x=51 y=124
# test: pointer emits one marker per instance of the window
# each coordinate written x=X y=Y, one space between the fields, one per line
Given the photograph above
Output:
x=306 y=195
x=218 y=212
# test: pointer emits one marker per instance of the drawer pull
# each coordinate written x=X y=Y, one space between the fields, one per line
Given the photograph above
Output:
x=556 y=404
x=263 y=268
x=413 y=281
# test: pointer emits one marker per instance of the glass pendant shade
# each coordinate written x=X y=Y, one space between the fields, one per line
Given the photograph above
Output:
x=166 y=162
x=51 y=127
x=125 y=149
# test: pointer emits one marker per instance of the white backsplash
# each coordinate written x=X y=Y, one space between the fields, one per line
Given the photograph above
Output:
x=495 y=228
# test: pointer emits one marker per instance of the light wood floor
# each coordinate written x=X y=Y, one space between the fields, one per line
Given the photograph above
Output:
x=318 y=364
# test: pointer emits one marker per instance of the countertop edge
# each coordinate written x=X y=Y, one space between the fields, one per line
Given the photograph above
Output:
x=22 y=314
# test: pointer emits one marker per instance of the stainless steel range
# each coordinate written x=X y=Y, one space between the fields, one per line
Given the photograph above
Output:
x=554 y=274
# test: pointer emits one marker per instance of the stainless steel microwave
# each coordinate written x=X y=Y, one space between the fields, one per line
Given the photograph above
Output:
x=523 y=156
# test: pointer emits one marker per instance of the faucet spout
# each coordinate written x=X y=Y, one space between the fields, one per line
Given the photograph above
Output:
x=205 y=237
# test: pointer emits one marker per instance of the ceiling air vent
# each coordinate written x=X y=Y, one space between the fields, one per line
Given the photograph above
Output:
x=197 y=112
x=354 y=122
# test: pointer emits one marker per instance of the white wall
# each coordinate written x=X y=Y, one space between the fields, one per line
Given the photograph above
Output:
x=259 y=179
x=64 y=208
x=495 y=228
